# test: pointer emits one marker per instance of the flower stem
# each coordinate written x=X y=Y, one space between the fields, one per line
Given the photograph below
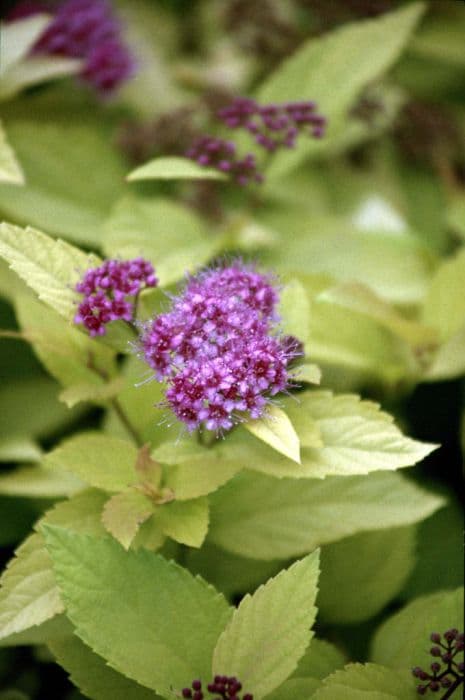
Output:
x=453 y=688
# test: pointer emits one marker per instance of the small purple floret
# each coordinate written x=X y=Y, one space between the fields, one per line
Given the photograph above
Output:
x=274 y=126
x=87 y=30
x=217 y=348
x=211 y=152
x=109 y=291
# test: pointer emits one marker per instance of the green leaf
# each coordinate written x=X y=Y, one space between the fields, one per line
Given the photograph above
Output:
x=440 y=539
x=292 y=517
x=36 y=69
x=18 y=38
x=333 y=70
x=104 y=462
x=10 y=169
x=265 y=638
x=320 y=659
x=403 y=641
x=367 y=682
x=45 y=414
x=173 y=238
x=73 y=174
x=124 y=513
x=19 y=449
x=164 y=635
x=72 y=357
x=92 y=676
x=384 y=562
x=295 y=688
x=29 y=596
x=215 y=565
x=49 y=267
x=275 y=429
x=193 y=470
x=308 y=373
x=294 y=310
x=37 y=482
x=174 y=168
x=444 y=307
x=361 y=299
x=185 y=521
x=93 y=393
x=339 y=435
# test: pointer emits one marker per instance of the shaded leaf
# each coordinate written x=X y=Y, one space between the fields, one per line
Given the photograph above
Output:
x=124 y=513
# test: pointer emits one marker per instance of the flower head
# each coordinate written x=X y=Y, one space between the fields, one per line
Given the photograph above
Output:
x=217 y=348
x=109 y=290
x=221 y=688
x=274 y=126
x=211 y=152
x=446 y=671
x=88 y=30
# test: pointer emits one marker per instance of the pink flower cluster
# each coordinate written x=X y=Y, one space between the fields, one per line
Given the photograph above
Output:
x=217 y=349
x=220 y=154
x=274 y=125
x=109 y=292
x=84 y=29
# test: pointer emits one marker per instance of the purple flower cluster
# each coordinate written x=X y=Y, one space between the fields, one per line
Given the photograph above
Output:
x=212 y=152
x=88 y=30
x=217 y=350
x=221 y=688
x=107 y=291
x=274 y=126
x=446 y=672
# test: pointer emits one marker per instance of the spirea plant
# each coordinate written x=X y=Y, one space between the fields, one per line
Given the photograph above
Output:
x=232 y=284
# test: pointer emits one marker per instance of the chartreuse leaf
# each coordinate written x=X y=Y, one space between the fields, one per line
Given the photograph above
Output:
x=367 y=682
x=168 y=234
x=174 y=168
x=18 y=38
x=275 y=429
x=295 y=688
x=29 y=596
x=19 y=449
x=50 y=267
x=339 y=435
x=192 y=470
x=124 y=513
x=92 y=675
x=445 y=310
x=37 y=482
x=57 y=156
x=266 y=637
x=403 y=641
x=334 y=69
x=362 y=299
x=104 y=462
x=163 y=635
x=320 y=659
x=35 y=69
x=292 y=517
x=80 y=364
x=185 y=521
x=10 y=170
x=308 y=373
x=294 y=310
x=44 y=414
x=384 y=561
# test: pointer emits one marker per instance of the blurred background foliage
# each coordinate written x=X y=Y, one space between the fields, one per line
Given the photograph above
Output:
x=381 y=201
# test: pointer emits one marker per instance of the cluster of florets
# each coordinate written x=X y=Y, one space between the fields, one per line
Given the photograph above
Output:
x=221 y=688
x=446 y=672
x=274 y=126
x=87 y=30
x=212 y=152
x=109 y=292
x=217 y=348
